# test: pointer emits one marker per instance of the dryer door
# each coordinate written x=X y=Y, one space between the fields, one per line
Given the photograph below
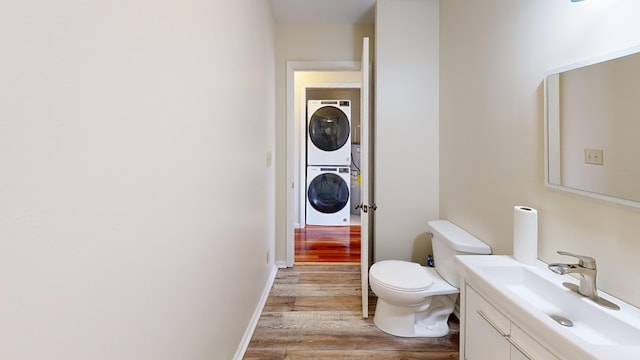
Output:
x=328 y=193
x=329 y=128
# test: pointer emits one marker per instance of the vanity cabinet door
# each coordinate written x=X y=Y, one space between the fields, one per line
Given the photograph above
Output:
x=490 y=335
x=526 y=348
x=486 y=329
x=518 y=355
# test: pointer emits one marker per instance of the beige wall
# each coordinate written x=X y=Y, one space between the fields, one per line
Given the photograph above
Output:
x=494 y=55
x=406 y=128
x=135 y=198
x=298 y=42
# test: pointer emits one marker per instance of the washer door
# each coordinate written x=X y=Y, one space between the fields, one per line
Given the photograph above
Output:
x=329 y=128
x=328 y=193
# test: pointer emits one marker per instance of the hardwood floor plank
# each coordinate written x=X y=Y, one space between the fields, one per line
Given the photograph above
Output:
x=314 y=290
x=334 y=268
x=360 y=355
x=337 y=303
x=314 y=312
x=347 y=278
x=347 y=355
x=279 y=304
x=365 y=338
x=327 y=244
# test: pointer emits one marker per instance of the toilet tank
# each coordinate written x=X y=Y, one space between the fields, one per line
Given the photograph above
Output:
x=449 y=240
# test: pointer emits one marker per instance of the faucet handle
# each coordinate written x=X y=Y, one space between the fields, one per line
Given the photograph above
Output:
x=583 y=260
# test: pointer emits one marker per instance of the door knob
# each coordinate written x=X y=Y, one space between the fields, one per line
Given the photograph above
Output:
x=365 y=208
x=361 y=206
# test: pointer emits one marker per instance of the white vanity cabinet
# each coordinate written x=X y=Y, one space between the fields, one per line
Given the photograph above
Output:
x=485 y=328
x=488 y=334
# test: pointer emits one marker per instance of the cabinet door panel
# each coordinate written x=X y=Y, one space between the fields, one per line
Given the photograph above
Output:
x=485 y=331
x=534 y=349
x=517 y=355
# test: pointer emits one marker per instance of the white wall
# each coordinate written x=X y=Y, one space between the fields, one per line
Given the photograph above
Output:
x=300 y=42
x=406 y=128
x=135 y=200
x=494 y=55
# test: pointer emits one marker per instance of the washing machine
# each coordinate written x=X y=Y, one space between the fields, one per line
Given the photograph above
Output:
x=328 y=195
x=329 y=132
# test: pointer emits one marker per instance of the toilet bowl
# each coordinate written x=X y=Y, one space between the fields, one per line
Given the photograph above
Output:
x=416 y=301
x=412 y=300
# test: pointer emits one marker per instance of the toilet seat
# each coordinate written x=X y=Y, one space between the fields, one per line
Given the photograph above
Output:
x=401 y=275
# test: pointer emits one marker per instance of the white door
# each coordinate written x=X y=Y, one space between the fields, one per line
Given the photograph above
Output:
x=367 y=206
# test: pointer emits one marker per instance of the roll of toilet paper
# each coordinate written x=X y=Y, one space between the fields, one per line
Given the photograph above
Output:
x=525 y=234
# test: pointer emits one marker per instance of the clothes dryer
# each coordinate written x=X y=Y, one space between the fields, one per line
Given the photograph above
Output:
x=328 y=195
x=329 y=132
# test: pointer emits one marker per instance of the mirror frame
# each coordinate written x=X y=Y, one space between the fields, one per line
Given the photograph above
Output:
x=552 y=127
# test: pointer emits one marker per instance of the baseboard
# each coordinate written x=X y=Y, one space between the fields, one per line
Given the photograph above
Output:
x=244 y=344
x=281 y=264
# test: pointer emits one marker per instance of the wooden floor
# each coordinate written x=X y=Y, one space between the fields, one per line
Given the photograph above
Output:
x=314 y=312
x=327 y=244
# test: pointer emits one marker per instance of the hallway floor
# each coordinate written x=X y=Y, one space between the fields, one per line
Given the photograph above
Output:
x=314 y=312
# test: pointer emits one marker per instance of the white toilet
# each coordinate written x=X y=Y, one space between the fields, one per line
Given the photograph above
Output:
x=416 y=301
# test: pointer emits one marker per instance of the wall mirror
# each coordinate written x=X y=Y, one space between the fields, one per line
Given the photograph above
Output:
x=592 y=128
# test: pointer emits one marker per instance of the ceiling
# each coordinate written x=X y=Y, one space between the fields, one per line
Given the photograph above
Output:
x=323 y=11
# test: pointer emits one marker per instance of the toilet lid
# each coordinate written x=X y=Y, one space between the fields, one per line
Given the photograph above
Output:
x=401 y=275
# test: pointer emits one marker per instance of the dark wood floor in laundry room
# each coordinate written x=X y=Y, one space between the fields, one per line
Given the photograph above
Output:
x=327 y=244
x=314 y=312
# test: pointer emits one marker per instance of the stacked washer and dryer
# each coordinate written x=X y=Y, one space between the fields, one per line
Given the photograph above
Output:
x=328 y=162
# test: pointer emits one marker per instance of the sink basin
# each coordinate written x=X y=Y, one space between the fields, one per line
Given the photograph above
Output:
x=590 y=323
x=536 y=298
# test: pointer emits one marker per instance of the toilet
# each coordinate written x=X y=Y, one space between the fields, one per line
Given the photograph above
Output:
x=416 y=301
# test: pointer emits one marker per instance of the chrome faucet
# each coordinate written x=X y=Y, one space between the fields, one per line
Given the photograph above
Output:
x=586 y=268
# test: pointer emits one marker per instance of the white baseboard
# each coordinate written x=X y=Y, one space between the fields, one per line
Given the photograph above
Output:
x=244 y=344
x=282 y=264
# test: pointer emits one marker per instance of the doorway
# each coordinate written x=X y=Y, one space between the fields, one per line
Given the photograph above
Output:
x=340 y=244
x=337 y=242
x=334 y=73
x=363 y=69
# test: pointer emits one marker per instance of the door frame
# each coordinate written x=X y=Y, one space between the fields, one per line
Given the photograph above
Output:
x=292 y=67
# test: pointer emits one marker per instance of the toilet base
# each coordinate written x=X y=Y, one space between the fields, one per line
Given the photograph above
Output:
x=425 y=320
